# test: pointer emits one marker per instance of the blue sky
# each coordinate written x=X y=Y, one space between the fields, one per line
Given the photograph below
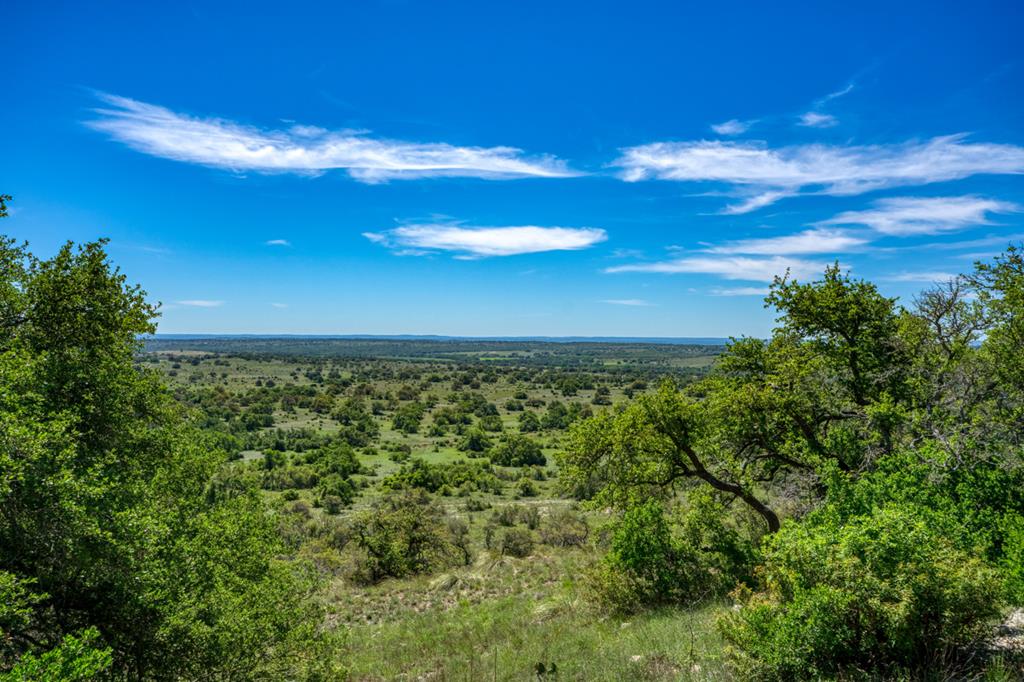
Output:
x=522 y=168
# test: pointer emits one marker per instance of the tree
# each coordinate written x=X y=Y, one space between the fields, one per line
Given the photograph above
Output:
x=403 y=534
x=358 y=425
x=475 y=440
x=106 y=523
x=516 y=450
x=408 y=417
x=529 y=422
x=823 y=392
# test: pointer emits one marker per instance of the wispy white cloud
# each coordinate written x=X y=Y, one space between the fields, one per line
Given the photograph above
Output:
x=845 y=90
x=478 y=242
x=279 y=305
x=201 y=303
x=816 y=119
x=729 y=267
x=638 y=302
x=308 y=150
x=908 y=216
x=627 y=253
x=1000 y=241
x=732 y=127
x=760 y=175
x=808 y=241
x=926 y=277
x=278 y=242
x=740 y=291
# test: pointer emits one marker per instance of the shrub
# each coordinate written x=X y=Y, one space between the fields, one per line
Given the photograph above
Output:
x=651 y=562
x=419 y=473
x=526 y=488
x=404 y=534
x=475 y=440
x=332 y=504
x=491 y=422
x=564 y=528
x=517 y=451
x=408 y=417
x=507 y=515
x=517 y=542
x=1012 y=562
x=529 y=422
x=882 y=594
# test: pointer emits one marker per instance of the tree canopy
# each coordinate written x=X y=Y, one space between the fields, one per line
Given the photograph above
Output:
x=115 y=558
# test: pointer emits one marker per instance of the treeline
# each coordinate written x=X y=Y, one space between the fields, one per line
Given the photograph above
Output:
x=503 y=353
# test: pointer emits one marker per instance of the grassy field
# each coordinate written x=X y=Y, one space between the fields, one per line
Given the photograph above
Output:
x=519 y=604
x=501 y=617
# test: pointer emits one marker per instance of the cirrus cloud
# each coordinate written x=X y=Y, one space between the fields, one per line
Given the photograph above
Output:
x=740 y=291
x=201 y=303
x=808 y=241
x=732 y=127
x=729 y=267
x=909 y=216
x=306 y=150
x=632 y=302
x=816 y=119
x=759 y=175
x=480 y=242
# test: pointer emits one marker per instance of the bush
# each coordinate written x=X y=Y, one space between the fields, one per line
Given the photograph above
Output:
x=475 y=440
x=517 y=451
x=882 y=594
x=408 y=417
x=332 y=504
x=564 y=528
x=491 y=422
x=517 y=542
x=526 y=488
x=509 y=515
x=650 y=562
x=529 y=422
x=404 y=534
x=419 y=473
x=1012 y=562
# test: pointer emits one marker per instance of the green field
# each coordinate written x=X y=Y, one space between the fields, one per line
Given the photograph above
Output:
x=500 y=616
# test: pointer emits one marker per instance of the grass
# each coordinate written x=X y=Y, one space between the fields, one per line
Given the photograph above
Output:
x=442 y=630
x=501 y=617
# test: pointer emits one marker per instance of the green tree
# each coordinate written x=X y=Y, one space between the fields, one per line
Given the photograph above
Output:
x=822 y=392
x=516 y=450
x=405 y=533
x=529 y=422
x=105 y=511
x=408 y=417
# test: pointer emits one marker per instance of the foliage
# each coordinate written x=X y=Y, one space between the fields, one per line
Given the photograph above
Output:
x=408 y=417
x=418 y=473
x=358 y=427
x=881 y=593
x=564 y=528
x=653 y=561
x=74 y=659
x=516 y=450
x=107 y=519
x=475 y=440
x=405 y=533
x=517 y=542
